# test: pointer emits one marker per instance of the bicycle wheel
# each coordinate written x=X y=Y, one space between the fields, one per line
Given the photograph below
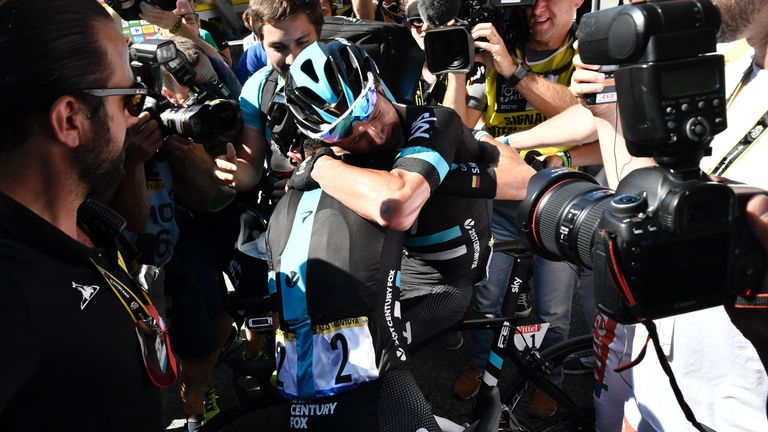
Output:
x=258 y=414
x=534 y=410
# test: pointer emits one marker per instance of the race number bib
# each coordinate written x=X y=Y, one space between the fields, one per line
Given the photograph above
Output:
x=342 y=358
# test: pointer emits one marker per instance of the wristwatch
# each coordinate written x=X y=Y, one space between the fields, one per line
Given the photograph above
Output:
x=520 y=73
x=176 y=27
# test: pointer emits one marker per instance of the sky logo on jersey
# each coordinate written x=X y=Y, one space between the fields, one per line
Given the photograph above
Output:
x=420 y=128
x=292 y=279
x=87 y=291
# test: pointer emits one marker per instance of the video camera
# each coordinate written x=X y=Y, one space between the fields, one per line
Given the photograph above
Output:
x=451 y=49
x=209 y=117
x=669 y=240
x=131 y=13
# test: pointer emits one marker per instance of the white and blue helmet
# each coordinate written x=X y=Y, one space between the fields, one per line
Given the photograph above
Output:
x=330 y=87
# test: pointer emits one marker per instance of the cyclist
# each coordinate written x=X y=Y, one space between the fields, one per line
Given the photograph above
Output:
x=340 y=355
x=448 y=246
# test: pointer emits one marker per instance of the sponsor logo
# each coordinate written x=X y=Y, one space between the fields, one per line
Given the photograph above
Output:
x=305 y=215
x=389 y=303
x=469 y=224
x=87 y=291
x=291 y=279
x=300 y=412
x=420 y=128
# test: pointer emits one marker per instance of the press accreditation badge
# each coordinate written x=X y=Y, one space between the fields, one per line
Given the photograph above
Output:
x=156 y=349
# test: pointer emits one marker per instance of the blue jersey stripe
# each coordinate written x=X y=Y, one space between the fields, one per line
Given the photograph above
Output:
x=293 y=280
x=428 y=155
x=495 y=360
x=432 y=239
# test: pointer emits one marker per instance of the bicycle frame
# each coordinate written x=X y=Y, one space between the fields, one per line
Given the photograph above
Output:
x=528 y=361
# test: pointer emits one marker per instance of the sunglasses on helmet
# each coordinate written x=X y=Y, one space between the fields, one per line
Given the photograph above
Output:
x=133 y=97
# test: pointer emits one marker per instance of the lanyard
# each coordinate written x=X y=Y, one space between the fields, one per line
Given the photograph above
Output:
x=755 y=132
x=132 y=303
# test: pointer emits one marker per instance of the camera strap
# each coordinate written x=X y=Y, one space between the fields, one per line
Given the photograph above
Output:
x=653 y=335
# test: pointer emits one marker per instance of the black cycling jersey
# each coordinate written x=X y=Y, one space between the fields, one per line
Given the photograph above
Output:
x=337 y=276
x=452 y=233
x=68 y=349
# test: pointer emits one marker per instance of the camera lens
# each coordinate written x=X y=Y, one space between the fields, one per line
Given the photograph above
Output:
x=560 y=214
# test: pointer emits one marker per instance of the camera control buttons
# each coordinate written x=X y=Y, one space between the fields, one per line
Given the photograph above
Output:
x=697 y=128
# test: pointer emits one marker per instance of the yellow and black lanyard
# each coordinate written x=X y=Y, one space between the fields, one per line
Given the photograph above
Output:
x=135 y=305
x=755 y=132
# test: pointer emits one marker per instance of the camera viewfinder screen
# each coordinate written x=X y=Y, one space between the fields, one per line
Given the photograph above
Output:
x=689 y=81
x=680 y=271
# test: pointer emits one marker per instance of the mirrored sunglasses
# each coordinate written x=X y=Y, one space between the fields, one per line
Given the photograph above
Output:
x=360 y=110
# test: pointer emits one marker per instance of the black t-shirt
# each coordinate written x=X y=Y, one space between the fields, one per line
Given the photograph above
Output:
x=337 y=278
x=68 y=349
x=452 y=233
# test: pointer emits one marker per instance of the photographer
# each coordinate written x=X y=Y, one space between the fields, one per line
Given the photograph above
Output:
x=208 y=225
x=71 y=350
x=704 y=348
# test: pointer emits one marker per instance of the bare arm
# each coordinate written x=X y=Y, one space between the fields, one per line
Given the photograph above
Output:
x=167 y=19
x=574 y=126
x=512 y=173
x=547 y=97
x=250 y=157
x=364 y=9
x=391 y=199
x=131 y=199
x=616 y=158
x=456 y=93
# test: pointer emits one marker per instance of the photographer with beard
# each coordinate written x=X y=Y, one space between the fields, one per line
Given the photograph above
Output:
x=714 y=353
x=69 y=346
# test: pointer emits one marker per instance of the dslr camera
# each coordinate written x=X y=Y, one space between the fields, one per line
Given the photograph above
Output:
x=452 y=49
x=209 y=117
x=670 y=239
x=131 y=13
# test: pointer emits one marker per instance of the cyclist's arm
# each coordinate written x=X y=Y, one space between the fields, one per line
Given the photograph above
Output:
x=392 y=199
x=500 y=174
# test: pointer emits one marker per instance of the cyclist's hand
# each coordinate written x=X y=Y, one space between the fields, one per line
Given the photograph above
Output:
x=302 y=176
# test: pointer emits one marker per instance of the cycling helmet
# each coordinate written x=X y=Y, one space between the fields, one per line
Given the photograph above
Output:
x=331 y=86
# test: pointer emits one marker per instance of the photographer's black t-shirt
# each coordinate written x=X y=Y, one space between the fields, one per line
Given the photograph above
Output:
x=69 y=354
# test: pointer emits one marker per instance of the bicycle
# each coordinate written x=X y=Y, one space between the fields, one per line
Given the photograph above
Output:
x=504 y=407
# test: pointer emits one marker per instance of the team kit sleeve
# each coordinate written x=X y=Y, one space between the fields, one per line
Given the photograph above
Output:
x=432 y=143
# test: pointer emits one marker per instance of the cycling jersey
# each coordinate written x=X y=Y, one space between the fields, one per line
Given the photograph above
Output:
x=452 y=233
x=337 y=278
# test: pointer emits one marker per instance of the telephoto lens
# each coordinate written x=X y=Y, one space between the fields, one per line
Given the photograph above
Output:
x=560 y=213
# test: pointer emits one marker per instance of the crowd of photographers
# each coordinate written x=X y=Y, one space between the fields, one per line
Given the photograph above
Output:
x=216 y=147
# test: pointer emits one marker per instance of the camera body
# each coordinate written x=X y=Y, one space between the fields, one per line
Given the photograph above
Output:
x=132 y=13
x=659 y=245
x=452 y=49
x=682 y=246
x=209 y=117
x=670 y=239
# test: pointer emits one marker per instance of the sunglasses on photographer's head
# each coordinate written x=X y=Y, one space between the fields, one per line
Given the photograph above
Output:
x=133 y=97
